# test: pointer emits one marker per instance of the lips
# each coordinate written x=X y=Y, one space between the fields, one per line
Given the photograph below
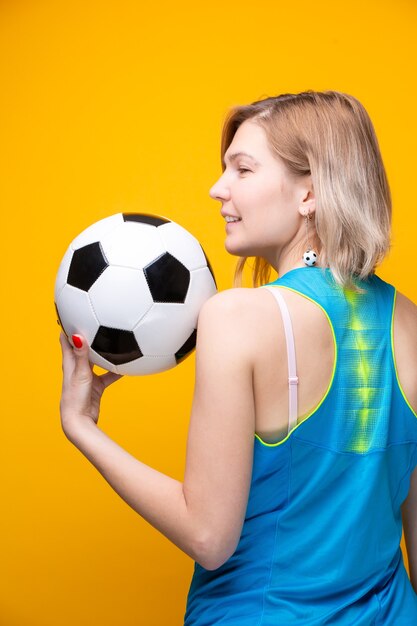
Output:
x=230 y=224
x=228 y=215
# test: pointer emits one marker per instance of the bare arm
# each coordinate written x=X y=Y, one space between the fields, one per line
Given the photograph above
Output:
x=155 y=496
x=409 y=515
x=204 y=515
x=405 y=339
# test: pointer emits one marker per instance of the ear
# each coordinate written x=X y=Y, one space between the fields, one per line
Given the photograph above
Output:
x=308 y=199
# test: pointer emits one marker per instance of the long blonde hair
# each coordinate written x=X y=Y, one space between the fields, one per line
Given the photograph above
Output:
x=329 y=135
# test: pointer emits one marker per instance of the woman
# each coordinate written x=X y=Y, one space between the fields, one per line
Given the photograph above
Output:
x=292 y=502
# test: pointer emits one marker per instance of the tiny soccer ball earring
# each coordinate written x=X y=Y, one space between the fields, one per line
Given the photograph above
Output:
x=309 y=256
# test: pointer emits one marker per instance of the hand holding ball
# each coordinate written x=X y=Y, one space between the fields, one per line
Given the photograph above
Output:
x=133 y=284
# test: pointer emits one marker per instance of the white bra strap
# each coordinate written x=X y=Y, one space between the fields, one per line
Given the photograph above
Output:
x=289 y=337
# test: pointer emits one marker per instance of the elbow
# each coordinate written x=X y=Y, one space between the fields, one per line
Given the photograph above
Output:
x=211 y=562
x=211 y=553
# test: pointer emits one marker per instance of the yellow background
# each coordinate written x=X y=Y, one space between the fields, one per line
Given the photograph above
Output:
x=118 y=106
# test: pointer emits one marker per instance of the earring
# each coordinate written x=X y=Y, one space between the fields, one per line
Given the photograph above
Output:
x=309 y=256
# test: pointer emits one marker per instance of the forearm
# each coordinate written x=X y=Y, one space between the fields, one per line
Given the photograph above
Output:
x=158 y=498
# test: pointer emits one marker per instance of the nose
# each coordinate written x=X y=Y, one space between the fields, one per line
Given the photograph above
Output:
x=220 y=191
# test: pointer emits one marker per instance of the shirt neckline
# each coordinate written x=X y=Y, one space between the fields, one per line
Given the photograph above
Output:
x=318 y=267
x=294 y=269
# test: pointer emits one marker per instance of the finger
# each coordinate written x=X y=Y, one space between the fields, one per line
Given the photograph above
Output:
x=68 y=360
x=82 y=369
x=109 y=377
x=63 y=340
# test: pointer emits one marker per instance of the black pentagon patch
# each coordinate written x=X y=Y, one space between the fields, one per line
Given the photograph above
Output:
x=87 y=264
x=187 y=347
x=145 y=218
x=168 y=279
x=116 y=346
x=209 y=266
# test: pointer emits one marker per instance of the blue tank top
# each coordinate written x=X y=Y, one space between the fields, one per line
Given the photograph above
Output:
x=321 y=538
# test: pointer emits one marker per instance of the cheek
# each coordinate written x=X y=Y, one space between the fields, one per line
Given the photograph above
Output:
x=273 y=202
x=258 y=194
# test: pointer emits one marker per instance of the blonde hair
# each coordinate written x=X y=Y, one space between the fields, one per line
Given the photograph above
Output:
x=329 y=135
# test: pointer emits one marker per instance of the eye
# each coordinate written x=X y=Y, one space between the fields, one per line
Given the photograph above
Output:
x=242 y=169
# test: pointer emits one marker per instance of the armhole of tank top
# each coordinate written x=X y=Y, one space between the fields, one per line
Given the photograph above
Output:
x=291 y=359
x=315 y=409
x=394 y=300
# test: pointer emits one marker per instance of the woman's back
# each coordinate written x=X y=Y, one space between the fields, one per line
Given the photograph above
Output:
x=314 y=349
x=321 y=538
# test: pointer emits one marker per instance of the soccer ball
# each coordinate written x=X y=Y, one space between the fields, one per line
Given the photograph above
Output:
x=310 y=257
x=133 y=284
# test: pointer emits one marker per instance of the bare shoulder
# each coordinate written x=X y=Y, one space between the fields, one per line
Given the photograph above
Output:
x=231 y=305
x=235 y=295
x=405 y=335
x=406 y=309
x=252 y=309
x=405 y=327
x=236 y=313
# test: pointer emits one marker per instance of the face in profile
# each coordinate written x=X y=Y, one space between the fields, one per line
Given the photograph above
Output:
x=257 y=187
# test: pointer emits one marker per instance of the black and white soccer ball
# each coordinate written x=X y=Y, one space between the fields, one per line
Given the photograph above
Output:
x=310 y=257
x=133 y=284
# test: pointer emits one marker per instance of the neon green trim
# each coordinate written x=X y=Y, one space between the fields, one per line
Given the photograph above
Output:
x=393 y=354
x=278 y=443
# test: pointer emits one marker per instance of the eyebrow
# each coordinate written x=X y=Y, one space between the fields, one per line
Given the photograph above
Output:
x=234 y=156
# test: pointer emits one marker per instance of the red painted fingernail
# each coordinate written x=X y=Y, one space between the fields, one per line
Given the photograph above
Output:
x=77 y=341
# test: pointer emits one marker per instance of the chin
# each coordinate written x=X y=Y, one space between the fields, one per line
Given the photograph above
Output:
x=236 y=250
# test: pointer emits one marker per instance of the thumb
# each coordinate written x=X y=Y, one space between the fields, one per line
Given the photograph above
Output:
x=82 y=369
